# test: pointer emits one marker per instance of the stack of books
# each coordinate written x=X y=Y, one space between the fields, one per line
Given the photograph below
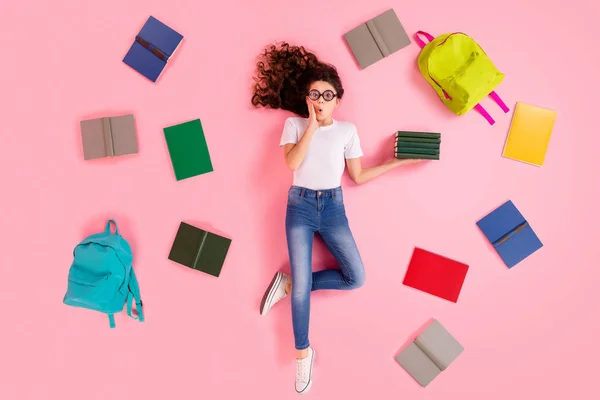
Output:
x=417 y=145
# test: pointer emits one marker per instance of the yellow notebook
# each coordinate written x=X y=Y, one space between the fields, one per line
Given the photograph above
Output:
x=529 y=134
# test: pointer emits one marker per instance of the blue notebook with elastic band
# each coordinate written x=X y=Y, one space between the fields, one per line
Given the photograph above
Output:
x=510 y=234
x=152 y=48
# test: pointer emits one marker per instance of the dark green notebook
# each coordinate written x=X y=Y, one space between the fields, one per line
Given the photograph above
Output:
x=419 y=145
x=418 y=140
x=416 y=150
x=418 y=156
x=415 y=145
x=199 y=249
x=188 y=150
x=432 y=135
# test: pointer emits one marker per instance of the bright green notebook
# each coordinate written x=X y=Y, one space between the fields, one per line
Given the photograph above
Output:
x=188 y=149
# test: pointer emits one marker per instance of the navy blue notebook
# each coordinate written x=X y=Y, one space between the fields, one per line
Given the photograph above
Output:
x=510 y=234
x=152 y=48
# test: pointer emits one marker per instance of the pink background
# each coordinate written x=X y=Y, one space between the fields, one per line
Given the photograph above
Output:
x=529 y=332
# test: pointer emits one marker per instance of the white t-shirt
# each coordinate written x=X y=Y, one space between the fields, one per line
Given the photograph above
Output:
x=324 y=163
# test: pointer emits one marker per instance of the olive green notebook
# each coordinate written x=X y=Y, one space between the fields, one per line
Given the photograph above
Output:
x=188 y=149
x=199 y=249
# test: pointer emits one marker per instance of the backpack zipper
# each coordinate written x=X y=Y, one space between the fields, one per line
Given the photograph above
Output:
x=90 y=284
x=438 y=45
x=93 y=241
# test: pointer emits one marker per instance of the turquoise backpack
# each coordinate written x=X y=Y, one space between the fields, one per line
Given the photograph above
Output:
x=101 y=277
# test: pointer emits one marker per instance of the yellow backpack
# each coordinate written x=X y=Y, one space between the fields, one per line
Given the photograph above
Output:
x=460 y=72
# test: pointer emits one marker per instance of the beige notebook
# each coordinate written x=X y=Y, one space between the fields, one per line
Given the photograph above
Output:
x=430 y=353
x=377 y=38
x=108 y=137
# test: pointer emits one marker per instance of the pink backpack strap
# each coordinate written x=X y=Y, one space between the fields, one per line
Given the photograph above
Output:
x=499 y=101
x=420 y=41
x=485 y=114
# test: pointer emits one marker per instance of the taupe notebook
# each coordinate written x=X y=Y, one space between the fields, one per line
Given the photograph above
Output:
x=377 y=38
x=431 y=353
x=107 y=137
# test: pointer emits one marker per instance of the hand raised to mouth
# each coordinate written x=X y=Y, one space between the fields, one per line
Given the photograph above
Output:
x=312 y=115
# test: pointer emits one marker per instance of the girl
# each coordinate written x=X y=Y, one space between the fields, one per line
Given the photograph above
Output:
x=315 y=146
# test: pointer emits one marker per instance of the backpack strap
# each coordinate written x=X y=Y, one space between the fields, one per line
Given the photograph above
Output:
x=420 y=41
x=499 y=101
x=111 y=320
x=108 y=226
x=485 y=114
x=134 y=293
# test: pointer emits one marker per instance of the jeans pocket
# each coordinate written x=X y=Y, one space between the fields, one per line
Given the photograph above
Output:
x=338 y=198
x=294 y=196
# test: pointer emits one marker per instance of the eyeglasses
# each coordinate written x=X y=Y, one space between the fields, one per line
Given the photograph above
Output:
x=315 y=95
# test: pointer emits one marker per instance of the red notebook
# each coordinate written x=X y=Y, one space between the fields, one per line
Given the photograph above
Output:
x=435 y=274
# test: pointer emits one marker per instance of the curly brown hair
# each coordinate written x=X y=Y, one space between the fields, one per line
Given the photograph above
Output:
x=284 y=74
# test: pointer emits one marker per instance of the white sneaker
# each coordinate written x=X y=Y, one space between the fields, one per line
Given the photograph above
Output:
x=274 y=293
x=304 y=372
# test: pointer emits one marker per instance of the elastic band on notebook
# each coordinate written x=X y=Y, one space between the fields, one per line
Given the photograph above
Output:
x=157 y=52
x=510 y=234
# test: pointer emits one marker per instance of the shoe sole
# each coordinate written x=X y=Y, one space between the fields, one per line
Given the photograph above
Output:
x=268 y=296
x=312 y=363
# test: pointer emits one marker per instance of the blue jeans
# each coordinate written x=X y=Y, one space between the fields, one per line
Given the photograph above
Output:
x=323 y=212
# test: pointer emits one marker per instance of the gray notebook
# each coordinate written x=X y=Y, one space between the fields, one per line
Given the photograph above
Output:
x=107 y=137
x=377 y=38
x=431 y=353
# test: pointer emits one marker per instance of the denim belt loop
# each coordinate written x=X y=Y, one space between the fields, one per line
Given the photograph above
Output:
x=302 y=192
